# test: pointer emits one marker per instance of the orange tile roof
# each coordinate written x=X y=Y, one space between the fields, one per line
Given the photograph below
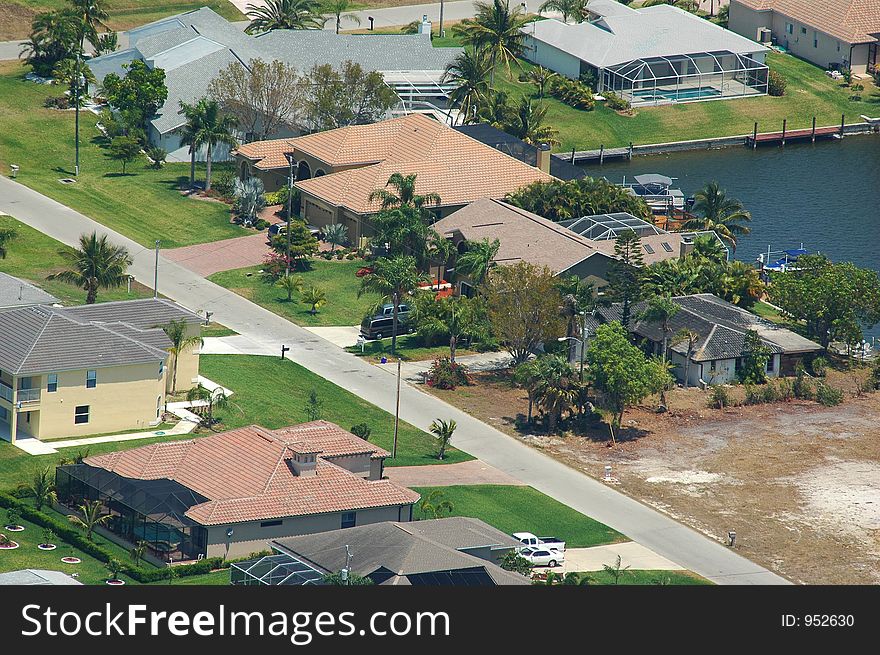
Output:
x=266 y=155
x=853 y=21
x=246 y=475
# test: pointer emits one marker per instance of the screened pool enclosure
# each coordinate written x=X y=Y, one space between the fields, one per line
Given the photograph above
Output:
x=152 y=511
x=687 y=78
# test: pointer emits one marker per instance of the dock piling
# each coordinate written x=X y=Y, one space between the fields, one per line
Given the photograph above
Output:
x=813 y=133
x=601 y=154
x=784 y=121
x=842 y=123
x=629 y=154
x=755 y=136
x=572 y=156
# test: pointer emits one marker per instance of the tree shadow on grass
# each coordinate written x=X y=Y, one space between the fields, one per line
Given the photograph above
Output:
x=63 y=171
x=120 y=174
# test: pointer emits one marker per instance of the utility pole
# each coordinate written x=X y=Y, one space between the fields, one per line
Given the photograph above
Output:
x=289 y=210
x=76 y=93
x=396 y=413
x=441 y=19
x=156 y=273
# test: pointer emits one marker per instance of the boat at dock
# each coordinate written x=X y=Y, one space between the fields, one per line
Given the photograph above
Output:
x=659 y=194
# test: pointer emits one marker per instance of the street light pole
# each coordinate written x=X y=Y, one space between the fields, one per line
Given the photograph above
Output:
x=441 y=19
x=76 y=94
x=289 y=210
x=156 y=273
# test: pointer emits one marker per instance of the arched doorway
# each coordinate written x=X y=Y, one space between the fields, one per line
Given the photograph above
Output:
x=303 y=172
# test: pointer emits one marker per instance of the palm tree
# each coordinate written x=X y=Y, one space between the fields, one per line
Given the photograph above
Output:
x=616 y=571
x=692 y=338
x=441 y=250
x=469 y=72
x=443 y=430
x=477 y=260
x=403 y=194
x=176 y=333
x=576 y=9
x=715 y=211
x=114 y=566
x=707 y=247
x=137 y=552
x=92 y=15
x=315 y=297
x=336 y=235
x=557 y=388
x=7 y=234
x=96 y=264
x=392 y=278
x=496 y=29
x=91 y=517
x=77 y=75
x=291 y=283
x=42 y=487
x=541 y=77
x=340 y=9
x=527 y=375
x=216 y=399
x=403 y=229
x=661 y=309
x=528 y=124
x=435 y=505
x=285 y=15
x=189 y=135
x=496 y=111
x=215 y=128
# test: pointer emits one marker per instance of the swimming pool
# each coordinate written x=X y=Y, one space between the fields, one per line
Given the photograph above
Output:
x=673 y=95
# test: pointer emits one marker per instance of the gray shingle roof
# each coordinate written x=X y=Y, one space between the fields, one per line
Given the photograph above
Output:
x=405 y=548
x=18 y=293
x=721 y=326
x=195 y=46
x=43 y=339
x=144 y=313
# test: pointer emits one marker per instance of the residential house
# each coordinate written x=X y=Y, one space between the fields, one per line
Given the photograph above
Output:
x=582 y=247
x=73 y=371
x=337 y=170
x=455 y=551
x=230 y=494
x=650 y=55
x=721 y=329
x=833 y=34
x=15 y=292
x=193 y=47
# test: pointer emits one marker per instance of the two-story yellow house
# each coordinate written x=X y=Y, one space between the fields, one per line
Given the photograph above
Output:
x=74 y=371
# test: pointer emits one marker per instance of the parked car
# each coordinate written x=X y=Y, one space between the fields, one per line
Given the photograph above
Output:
x=379 y=327
x=550 y=543
x=277 y=229
x=542 y=556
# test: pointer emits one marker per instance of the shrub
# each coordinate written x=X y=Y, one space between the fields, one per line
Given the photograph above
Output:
x=277 y=197
x=769 y=393
x=274 y=266
x=445 y=374
x=365 y=270
x=361 y=430
x=60 y=102
x=819 y=366
x=615 y=102
x=718 y=397
x=157 y=155
x=261 y=224
x=224 y=184
x=828 y=395
x=754 y=395
x=249 y=200
x=785 y=390
x=776 y=84
x=801 y=387
x=573 y=93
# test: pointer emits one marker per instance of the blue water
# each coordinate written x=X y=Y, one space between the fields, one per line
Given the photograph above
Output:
x=825 y=195
x=683 y=94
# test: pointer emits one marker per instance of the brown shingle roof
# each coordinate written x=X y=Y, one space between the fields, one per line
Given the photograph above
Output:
x=524 y=236
x=853 y=21
x=246 y=475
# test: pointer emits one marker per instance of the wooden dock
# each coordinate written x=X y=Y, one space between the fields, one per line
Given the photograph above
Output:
x=780 y=138
x=600 y=155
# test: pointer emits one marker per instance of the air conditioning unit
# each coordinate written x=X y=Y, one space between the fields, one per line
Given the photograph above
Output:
x=765 y=35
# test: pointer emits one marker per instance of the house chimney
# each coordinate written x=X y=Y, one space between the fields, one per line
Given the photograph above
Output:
x=687 y=247
x=544 y=157
x=303 y=464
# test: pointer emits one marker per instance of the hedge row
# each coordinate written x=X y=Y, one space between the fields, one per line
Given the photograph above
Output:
x=77 y=540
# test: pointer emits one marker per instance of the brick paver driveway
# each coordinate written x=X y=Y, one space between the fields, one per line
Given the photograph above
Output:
x=209 y=258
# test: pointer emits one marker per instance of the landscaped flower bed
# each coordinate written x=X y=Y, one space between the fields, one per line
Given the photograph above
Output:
x=6 y=543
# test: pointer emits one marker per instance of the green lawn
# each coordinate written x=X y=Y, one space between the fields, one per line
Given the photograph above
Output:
x=217 y=330
x=810 y=93
x=124 y=14
x=33 y=256
x=410 y=347
x=336 y=278
x=144 y=204
x=273 y=393
x=524 y=509
x=647 y=577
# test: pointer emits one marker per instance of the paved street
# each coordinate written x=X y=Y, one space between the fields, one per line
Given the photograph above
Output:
x=639 y=522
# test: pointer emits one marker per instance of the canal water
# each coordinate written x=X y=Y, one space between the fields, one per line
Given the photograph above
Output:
x=825 y=196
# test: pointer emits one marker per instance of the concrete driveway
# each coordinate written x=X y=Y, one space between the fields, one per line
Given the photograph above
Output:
x=632 y=554
x=446 y=475
x=339 y=335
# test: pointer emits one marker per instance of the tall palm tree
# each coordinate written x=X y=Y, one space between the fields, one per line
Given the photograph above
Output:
x=91 y=517
x=717 y=212
x=541 y=77
x=443 y=431
x=215 y=128
x=92 y=14
x=497 y=29
x=403 y=194
x=96 y=264
x=137 y=552
x=189 y=135
x=180 y=341
x=285 y=15
x=469 y=72
x=7 y=234
x=440 y=250
x=574 y=9
x=403 y=229
x=340 y=9
x=477 y=260
x=42 y=487
x=529 y=124
x=392 y=278
x=77 y=75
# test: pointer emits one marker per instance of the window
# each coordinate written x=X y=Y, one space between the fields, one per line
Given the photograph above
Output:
x=666 y=247
x=81 y=414
x=91 y=379
x=739 y=364
x=648 y=249
x=161 y=369
x=815 y=39
x=771 y=362
x=789 y=28
x=712 y=365
x=4 y=414
x=803 y=30
x=52 y=382
x=272 y=524
x=349 y=519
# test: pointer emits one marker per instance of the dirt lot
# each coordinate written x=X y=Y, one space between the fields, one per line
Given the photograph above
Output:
x=798 y=482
